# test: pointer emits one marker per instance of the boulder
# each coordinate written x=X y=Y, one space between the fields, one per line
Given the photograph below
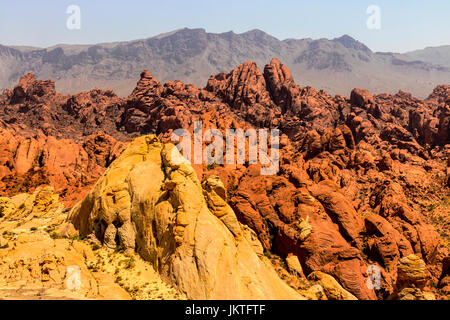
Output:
x=152 y=195
x=332 y=288
x=294 y=265
x=360 y=97
x=412 y=272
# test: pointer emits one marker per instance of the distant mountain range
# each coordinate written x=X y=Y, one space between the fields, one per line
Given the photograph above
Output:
x=435 y=55
x=192 y=55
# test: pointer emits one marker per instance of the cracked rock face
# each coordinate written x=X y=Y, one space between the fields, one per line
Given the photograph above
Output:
x=151 y=201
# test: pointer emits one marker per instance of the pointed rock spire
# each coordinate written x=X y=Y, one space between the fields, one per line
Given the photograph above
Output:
x=280 y=84
x=147 y=85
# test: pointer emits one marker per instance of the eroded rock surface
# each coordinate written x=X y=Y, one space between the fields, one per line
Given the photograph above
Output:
x=196 y=244
x=363 y=181
x=42 y=257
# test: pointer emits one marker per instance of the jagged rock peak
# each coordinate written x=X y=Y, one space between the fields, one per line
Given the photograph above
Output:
x=30 y=88
x=27 y=78
x=280 y=84
x=244 y=85
x=150 y=200
x=147 y=85
x=277 y=72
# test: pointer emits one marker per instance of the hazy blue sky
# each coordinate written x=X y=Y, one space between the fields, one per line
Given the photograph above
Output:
x=405 y=24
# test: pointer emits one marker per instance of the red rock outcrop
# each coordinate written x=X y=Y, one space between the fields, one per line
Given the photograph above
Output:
x=68 y=166
x=280 y=83
x=359 y=180
x=245 y=90
x=35 y=106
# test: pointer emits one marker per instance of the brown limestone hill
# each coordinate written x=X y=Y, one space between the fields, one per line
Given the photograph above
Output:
x=364 y=181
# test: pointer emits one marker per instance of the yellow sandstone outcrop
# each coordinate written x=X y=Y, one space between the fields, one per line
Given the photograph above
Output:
x=36 y=265
x=294 y=266
x=216 y=197
x=42 y=203
x=42 y=258
x=7 y=207
x=412 y=270
x=332 y=288
x=151 y=201
x=411 y=280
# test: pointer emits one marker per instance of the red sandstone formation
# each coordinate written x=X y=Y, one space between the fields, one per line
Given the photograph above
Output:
x=361 y=178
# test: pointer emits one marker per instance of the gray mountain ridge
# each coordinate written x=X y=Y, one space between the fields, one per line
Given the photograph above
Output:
x=193 y=55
